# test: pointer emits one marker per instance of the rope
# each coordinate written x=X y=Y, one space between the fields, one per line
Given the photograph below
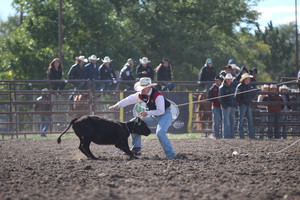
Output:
x=277 y=152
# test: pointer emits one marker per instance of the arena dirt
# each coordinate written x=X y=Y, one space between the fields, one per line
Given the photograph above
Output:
x=205 y=169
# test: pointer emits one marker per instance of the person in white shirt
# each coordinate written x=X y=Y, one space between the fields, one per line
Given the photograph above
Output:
x=158 y=113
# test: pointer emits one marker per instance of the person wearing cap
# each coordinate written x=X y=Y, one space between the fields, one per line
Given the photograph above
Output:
x=213 y=94
x=226 y=97
x=227 y=70
x=283 y=90
x=274 y=109
x=144 y=69
x=126 y=74
x=164 y=74
x=91 y=71
x=46 y=108
x=76 y=72
x=263 y=109
x=54 y=72
x=244 y=70
x=107 y=73
x=158 y=113
x=207 y=73
x=243 y=96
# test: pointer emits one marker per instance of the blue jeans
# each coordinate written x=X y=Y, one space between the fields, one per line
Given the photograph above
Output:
x=261 y=129
x=245 y=112
x=45 y=122
x=163 y=122
x=228 y=120
x=273 y=124
x=217 y=118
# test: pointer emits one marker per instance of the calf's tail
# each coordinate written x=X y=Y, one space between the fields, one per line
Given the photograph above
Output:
x=71 y=123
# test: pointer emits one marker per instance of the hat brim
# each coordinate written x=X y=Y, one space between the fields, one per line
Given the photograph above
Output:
x=243 y=78
x=141 y=61
x=107 y=60
x=138 y=87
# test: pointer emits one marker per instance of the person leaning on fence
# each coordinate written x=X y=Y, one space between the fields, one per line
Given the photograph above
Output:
x=213 y=94
x=126 y=74
x=159 y=114
x=274 y=109
x=286 y=108
x=244 y=96
x=144 y=69
x=263 y=110
x=207 y=73
x=54 y=72
x=91 y=71
x=43 y=106
x=164 y=74
x=107 y=73
x=76 y=72
x=226 y=97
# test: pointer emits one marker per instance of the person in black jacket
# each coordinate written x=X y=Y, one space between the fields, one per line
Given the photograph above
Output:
x=76 y=72
x=207 y=73
x=164 y=73
x=244 y=96
x=126 y=74
x=107 y=72
x=144 y=69
x=54 y=72
x=226 y=97
x=91 y=71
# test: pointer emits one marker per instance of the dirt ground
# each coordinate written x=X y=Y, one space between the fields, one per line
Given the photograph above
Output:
x=205 y=169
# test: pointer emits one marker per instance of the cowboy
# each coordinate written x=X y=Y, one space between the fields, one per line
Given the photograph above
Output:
x=213 y=93
x=144 y=69
x=226 y=97
x=107 y=73
x=91 y=70
x=158 y=113
x=244 y=96
x=76 y=72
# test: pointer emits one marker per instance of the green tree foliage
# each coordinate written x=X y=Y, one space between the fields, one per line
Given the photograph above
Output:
x=185 y=31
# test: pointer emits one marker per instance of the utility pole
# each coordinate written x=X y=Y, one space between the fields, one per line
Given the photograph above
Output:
x=297 y=43
x=60 y=30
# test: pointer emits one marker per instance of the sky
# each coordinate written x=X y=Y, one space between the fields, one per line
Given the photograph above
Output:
x=279 y=11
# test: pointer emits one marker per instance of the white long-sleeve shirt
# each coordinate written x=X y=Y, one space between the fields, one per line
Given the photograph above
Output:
x=134 y=98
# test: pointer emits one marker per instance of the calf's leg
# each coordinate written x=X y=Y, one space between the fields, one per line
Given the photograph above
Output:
x=123 y=145
x=84 y=147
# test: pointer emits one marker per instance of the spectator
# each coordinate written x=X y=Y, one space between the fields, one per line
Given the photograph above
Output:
x=244 y=70
x=213 y=93
x=235 y=69
x=76 y=72
x=91 y=71
x=126 y=74
x=54 y=72
x=144 y=69
x=226 y=97
x=274 y=109
x=263 y=110
x=227 y=70
x=164 y=73
x=44 y=106
x=159 y=114
x=207 y=73
x=286 y=108
x=231 y=61
x=244 y=96
x=107 y=73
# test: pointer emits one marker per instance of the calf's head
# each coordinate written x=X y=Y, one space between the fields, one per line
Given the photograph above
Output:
x=140 y=127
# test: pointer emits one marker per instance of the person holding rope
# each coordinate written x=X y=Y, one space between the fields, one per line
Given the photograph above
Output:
x=158 y=113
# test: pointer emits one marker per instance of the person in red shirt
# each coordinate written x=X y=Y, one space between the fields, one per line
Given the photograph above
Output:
x=213 y=93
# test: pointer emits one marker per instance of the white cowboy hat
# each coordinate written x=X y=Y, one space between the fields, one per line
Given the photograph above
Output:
x=244 y=76
x=93 y=57
x=143 y=83
x=81 y=58
x=264 y=86
x=284 y=87
x=234 y=66
x=273 y=86
x=144 y=60
x=229 y=76
x=106 y=59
